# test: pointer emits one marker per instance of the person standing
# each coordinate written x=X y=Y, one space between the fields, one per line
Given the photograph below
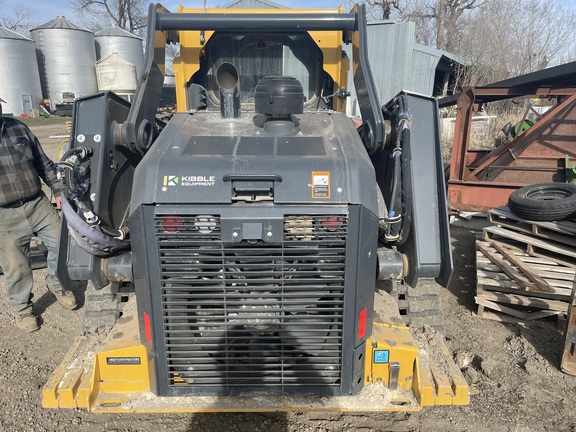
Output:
x=26 y=211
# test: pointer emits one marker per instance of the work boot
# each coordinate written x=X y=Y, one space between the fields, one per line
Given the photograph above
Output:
x=66 y=299
x=27 y=322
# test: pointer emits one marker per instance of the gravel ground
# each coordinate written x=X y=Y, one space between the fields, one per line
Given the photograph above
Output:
x=512 y=369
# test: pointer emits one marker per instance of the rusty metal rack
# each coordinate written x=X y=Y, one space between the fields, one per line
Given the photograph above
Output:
x=481 y=180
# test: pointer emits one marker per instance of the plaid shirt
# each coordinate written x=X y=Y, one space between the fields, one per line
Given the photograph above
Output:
x=22 y=163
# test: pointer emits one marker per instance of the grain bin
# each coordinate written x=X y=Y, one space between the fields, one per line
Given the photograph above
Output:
x=19 y=77
x=116 y=74
x=67 y=58
x=116 y=40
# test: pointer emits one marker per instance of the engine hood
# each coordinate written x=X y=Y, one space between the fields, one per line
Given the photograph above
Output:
x=200 y=158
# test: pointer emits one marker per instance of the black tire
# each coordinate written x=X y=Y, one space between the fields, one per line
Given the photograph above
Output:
x=544 y=201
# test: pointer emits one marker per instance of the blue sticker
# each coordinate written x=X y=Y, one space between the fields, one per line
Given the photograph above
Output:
x=381 y=356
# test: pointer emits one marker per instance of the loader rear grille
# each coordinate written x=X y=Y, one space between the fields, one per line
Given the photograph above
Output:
x=252 y=315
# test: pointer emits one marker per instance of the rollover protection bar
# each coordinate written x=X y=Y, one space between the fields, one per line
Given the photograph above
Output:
x=258 y=22
x=139 y=132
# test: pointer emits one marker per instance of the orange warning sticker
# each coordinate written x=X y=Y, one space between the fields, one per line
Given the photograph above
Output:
x=320 y=184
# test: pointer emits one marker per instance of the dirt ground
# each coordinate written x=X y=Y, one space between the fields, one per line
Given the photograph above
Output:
x=513 y=371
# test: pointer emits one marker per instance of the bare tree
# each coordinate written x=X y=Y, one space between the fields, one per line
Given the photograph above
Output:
x=443 y=17
x=17 y=17
x=381 y=9
x=129 y=15
x=499 y=42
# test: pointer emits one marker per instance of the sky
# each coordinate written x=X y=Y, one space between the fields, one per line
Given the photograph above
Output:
x=47 y=10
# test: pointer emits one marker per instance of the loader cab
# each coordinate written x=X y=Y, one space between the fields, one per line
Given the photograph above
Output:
x=256 y=56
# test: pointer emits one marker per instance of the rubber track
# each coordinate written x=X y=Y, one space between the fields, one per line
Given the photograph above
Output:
x=421 y=305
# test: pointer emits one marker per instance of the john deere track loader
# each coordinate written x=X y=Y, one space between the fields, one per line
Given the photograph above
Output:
x=249 y=230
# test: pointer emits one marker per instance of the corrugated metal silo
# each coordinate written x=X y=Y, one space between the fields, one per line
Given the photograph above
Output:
x=117 y=40
x=19 y=77
x=116 y=74
x=67 y=58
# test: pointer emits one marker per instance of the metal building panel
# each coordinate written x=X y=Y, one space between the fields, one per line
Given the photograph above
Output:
x=421 y=78
x=390 y=48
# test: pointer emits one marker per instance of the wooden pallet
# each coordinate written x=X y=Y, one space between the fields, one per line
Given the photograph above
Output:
x=521 y=288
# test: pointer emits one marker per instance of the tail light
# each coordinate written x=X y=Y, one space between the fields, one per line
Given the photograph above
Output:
x=332 y=223
x=171 y=224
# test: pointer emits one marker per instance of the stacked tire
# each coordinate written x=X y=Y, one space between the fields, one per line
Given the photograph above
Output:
x=544 y=202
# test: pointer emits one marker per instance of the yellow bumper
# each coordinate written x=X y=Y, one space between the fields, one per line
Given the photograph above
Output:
x=111 y=375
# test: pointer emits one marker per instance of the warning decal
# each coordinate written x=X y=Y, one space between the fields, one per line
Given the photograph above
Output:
x=320 y=184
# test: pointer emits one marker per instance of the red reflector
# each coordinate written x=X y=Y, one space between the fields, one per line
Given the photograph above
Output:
x=362 y=324
x=147 y=327
x=332 y=223
x=171 y=224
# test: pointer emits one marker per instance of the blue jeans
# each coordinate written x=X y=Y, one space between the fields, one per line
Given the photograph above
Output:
x=17 y=226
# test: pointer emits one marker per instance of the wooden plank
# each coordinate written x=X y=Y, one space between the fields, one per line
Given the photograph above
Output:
x=559 y=260
x=503 y=281
x=527 y=316
x=538 y=281
x=520 y=250
x=541 y=314
x=501 y=308
x=522 y=281
x=494 y=275
x=554 y=278
x=531 y=242
x=532 y=230
x=552 y=272
x=562 y=284
x=499 y=318
x=507 y=286
x=557 y=269
x=564 y=227
x=568 y=363
x=520 y=300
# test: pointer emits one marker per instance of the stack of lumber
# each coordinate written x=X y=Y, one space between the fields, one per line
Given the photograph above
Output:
x=525 y=270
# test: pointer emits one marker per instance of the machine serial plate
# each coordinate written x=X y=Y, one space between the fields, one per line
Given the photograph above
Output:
x=123 y=360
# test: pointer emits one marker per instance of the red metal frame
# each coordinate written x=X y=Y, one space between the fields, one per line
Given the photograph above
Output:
x=482 y=180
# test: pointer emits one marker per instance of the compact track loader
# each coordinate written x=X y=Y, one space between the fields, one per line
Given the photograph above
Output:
x=260 y=238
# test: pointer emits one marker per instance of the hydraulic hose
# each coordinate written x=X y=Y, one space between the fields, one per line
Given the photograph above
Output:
x=394 y=218
x=88 y=238
x=87 y=229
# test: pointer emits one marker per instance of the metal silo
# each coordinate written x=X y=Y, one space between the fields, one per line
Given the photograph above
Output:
x=19 y=77
x=117 y=40
x=67 y=59
x=116 y=74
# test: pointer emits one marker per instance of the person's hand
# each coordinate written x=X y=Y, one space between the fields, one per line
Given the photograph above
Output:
x=58 y=202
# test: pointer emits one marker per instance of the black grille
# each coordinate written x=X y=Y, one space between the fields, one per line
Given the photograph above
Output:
x=253 y=315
